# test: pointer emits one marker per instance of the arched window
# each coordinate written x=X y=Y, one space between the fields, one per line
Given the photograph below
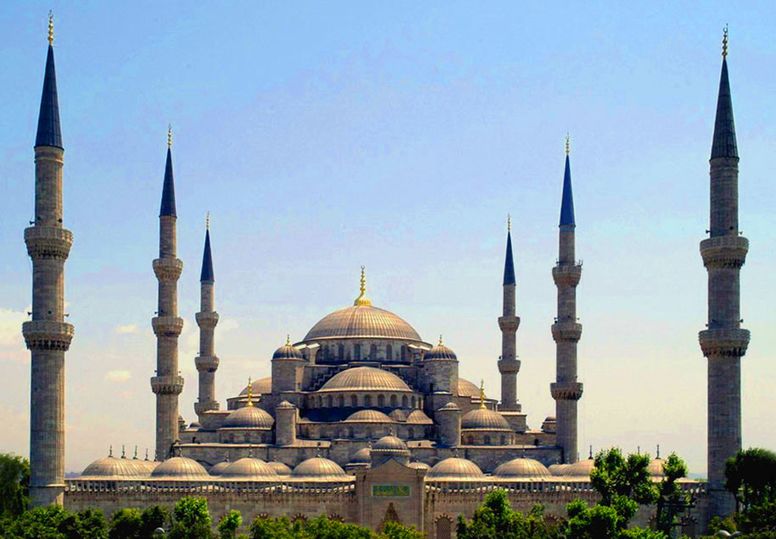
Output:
x=404 y=401
x=411 y=433
x=340 y=351
x=413 y=401
x=444 y=527
x=487 y=440
x=373 y=352
x=404 y=352
x=503 y=440
x=388 y=352
x=381 y=401
x=340 y=401
x=329 y=401
x=356 y=351
x=394 y=401
x=367 y=400
x=353 y=401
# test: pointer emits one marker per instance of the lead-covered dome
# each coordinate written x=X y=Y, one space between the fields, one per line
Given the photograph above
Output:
x=249 y=467
x=484 y=419
x=454 y=468
x=279 y=467
x=111 y=466
x=248 y=417
x=368 y=416
x=318 y=468
x=522 y=467
x=440 y=351
x=364 y=379
x=362 y=322
x=467 y=388
x=262 y=386
x=389 y=443
x=180 y=468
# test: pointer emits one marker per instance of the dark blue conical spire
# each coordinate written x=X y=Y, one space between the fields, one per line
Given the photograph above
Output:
x=168 y=191
x=567 y=199
x=724 y=141
x=207 y=261
x=509 y=263
x=49 y=132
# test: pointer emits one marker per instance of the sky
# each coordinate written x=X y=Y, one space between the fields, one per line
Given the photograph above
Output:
x=395 y=135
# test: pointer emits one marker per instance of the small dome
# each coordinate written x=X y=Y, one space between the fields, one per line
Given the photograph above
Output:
x=419 y=465
x=455 y=468
x=362 y=456
x=285 y=405
x=287 y=351
x=467 y=389
x=180 y=468
x=279 y=467
x=581 y=468
x=484 y=419
x=449 y=407
x=389 y=443
x=248 y=417
x=147 y=465
x=368 y=416
x=219 y=468
x=318 y=467
x=249 y=467
x=522 y=467
x=262 y=386
x=418 y=417
x=440 y=351
x=655 y=468
x=364 y=379
x=115 y=467
x=558 y=469
x=398 y=415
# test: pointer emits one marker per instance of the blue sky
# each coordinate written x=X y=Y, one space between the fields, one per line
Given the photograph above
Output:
x=396 y=135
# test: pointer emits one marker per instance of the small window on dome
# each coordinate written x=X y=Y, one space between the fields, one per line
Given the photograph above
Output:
x=388 y=352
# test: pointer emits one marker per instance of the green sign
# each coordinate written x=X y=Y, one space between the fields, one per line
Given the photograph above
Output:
x=391 y=491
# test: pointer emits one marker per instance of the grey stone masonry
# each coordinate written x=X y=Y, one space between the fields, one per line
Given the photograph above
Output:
x=566 y=332
x=509 y=365
x=167 y=384
x=47 y=335
x=207 y=361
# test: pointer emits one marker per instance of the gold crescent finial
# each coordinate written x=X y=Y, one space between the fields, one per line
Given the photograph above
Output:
x=250 y=392
x=482 y=393
x=725 y=41
x=440 y=340
x=509 y=222
x=288 y=339
x=568 y=144
x=110 y=450
x=169 y=135
x=362 y=300
x=51 y=28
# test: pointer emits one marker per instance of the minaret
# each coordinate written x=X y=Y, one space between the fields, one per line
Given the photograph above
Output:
x=167 y=384
x=207 y=318
x=508 y=364
x=566 y=331
x=724 y=341
x=47 y=335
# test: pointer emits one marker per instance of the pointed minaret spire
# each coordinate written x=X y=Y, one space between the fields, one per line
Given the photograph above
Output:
x=567 y=199
x=724 y=140
x=49 y=132
x=168 y=190
x=509 y=262
x=207 y=258
x=508 y=322
x=207 y=319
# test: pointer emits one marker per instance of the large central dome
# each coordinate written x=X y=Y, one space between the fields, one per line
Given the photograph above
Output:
x=363 y=322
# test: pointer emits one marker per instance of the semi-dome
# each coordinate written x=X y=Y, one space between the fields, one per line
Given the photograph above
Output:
x=389 y=443
x=262 y=386
x=484 y=419
x=467 y=389
x=454 y=468
x=249 y=467
x=179 y=468
x=362 y=322
x=419 y=417
x=362 y=456
x=522 y=467
x=111 y=466
x=219 y=468
x=318 y=467
x=279 y=467
x=368 y=416
x=364 y=379
x=249 y=417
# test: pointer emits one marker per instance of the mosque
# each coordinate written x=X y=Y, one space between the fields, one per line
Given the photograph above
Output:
x=362 y=420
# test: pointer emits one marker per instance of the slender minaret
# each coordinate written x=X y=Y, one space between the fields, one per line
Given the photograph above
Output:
x=508 y=364
x=566 y=331
x=724 y=342
x=207 y=318
x=47 y=335
x=167 y=384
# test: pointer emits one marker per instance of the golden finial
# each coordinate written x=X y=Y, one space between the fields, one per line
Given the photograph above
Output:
x=509 y=222
x=568 y=144
x=250 y=393
x=440 y=340
x=123 y=452
x=207 y=221
x=110 y=450
x=135 y=455
x=169 y=135
x=51 y=28
x=362 y=300
x=482 y=394
x=725 y=41
x=288 y=339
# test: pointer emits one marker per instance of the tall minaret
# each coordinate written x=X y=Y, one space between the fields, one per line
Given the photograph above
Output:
x=724 y=342
x=508 y=364
x=167 y=384
x=207 y=318
x=566 y=331
x=47 y=335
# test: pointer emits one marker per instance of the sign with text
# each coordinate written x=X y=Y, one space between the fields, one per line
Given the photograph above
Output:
x=391 y=491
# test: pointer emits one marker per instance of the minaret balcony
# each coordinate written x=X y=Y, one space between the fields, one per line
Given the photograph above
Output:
x=724 y=251
x=567 y=275
x=724 y=342
x=508 y=366
x=168 y=269
x=205 y=406
x=167 y=385
x=48 y=335
x=509 y=323
x=206 y=363
x=566 y=391
x=167 y=326
x=48 y=241
x=566 y=331
x=207 y=319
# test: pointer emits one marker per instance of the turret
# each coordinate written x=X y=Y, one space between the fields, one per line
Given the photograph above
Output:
x=566 y=331
x=207 y=318
x=167 y=325
x=448 y=420
x=285 y=424
x=508 y=364
x=47 y=335
x=724 y=342
x=441 y=367
x=287 y=367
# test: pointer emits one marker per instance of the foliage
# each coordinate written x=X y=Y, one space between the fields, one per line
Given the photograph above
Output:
x=14 y=484
x=597 y=522
x=273 y=528
x=495 y=518
x=53 y=522
x=227 y=526
x=751 y=477
x=126 y=524
x=718 y=523
x=394 y=530
x=758 y=518
x=325 y=528
x=191 y=519
x=152 y=518
x=672 y=500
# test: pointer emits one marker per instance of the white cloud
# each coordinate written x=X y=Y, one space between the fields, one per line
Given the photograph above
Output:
x=118 y=376
x=126 y=329
x=11 y=327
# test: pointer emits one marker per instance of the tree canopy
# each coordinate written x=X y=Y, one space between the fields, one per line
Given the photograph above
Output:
x=14 y=484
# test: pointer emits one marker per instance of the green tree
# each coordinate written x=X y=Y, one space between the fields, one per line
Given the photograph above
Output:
x=272 y=528
x=597 y=522
x=751 y=477
x=325 y=528
x=394 y=530
x=758 y=519
x=672 y=500
x=495 y=519
x=126 y=524
x=86 y=524
x=14 y=484
x=152 y=518
x=191 y=519
x=227 y=526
